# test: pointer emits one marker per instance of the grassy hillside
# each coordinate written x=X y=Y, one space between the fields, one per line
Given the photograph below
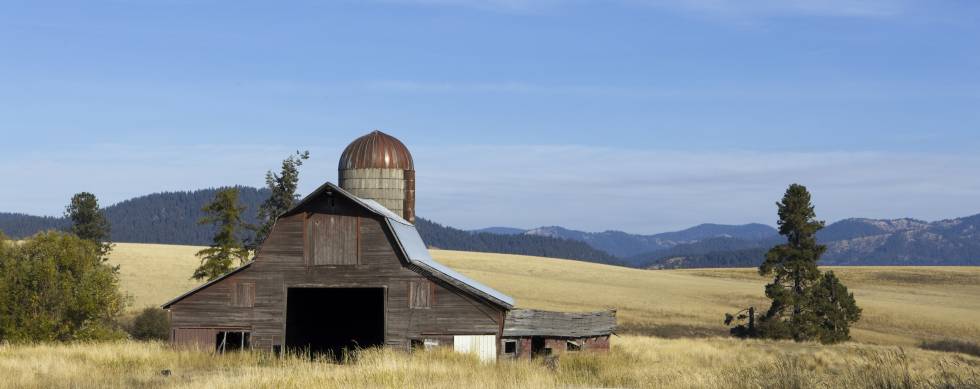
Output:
x=902 y=305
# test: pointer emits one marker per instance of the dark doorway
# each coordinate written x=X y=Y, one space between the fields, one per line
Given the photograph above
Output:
x=332 y=320
x=538 y=347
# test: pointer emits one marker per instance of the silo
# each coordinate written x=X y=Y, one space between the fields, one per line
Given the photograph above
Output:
x=379 y=167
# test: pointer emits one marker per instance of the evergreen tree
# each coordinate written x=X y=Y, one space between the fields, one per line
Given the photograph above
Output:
x=89 y=222
x=805 y=304
x=834 y=309
x=226 y=246
x=793 y=267
x=283 y=188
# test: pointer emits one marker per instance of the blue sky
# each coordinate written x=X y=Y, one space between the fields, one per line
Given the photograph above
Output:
x=640 y=115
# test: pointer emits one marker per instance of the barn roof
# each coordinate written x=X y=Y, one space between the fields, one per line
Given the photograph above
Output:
x=532 y=322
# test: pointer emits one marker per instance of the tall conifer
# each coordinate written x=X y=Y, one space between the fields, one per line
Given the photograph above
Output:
x=225 y=213
x=806 y=304
x=283 y=193
x=89 y=222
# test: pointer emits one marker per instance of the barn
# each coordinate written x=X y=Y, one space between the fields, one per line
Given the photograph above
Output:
x=345 y=268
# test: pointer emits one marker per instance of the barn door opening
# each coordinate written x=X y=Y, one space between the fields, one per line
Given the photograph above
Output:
x=334 y=320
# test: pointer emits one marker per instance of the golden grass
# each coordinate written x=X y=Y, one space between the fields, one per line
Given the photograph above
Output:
x=902 y=305
x=634 y=362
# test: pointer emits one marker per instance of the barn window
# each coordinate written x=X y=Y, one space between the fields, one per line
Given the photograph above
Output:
x=510 y=346
x=243 y=295
x=420 y=294
x=572 y=346
x=332 y=240
x=226 y=341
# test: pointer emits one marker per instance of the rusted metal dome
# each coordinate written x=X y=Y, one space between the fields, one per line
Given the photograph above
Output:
x=376 y=150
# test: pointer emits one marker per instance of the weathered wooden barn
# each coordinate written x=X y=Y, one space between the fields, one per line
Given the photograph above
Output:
x=343 y=270
x=338 y=271
x=530 y=333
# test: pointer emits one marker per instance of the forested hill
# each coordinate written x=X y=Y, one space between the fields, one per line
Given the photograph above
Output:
x=439 y=236
x=171 y=218
x=167 y=217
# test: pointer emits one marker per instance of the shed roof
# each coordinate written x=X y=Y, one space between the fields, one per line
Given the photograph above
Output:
x=532 y=322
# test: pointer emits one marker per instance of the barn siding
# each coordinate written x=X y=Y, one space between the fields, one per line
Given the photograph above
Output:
x=282 y=263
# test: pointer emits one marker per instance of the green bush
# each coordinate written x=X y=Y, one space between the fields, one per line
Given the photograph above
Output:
x=151 y=324
x=56 y=287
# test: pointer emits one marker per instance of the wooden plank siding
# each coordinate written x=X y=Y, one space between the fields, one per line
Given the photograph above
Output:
x=334 y=240
x=283 y=262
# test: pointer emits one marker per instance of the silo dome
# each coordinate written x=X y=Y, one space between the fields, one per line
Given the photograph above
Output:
x=378 y=166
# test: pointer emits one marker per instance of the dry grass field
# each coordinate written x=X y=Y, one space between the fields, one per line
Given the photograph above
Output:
x=634 y=362
x=902 y=306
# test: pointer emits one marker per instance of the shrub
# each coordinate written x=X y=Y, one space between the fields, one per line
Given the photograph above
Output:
x=151 y=324
x=55 y=287
x=953 y=345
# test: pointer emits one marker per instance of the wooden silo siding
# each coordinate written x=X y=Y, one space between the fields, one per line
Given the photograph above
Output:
x=281 y=264
x=386 y=186
x=333 y=239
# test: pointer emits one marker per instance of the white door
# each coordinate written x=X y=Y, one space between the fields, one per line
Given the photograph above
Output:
x=484 y=346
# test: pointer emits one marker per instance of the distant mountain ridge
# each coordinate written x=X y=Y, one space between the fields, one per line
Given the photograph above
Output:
x=624 y=245
x=903 y=241
x=171 y=218
x=855 y=241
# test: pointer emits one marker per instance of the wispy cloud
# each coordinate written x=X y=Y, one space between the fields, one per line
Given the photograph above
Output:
x=584 y=187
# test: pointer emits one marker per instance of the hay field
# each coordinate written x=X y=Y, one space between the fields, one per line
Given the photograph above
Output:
x=634 y=362
x=902 y=305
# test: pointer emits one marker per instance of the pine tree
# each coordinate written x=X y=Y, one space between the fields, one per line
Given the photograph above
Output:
x=805 y=304
x=283 y=188
x=834 y=309
x=793 y=267
x=89 y=222
x=225 y=213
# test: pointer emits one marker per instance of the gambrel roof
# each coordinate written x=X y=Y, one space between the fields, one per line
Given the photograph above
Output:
x=409 y=243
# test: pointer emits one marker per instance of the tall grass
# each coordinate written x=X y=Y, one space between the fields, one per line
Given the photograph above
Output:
x=634 y=362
